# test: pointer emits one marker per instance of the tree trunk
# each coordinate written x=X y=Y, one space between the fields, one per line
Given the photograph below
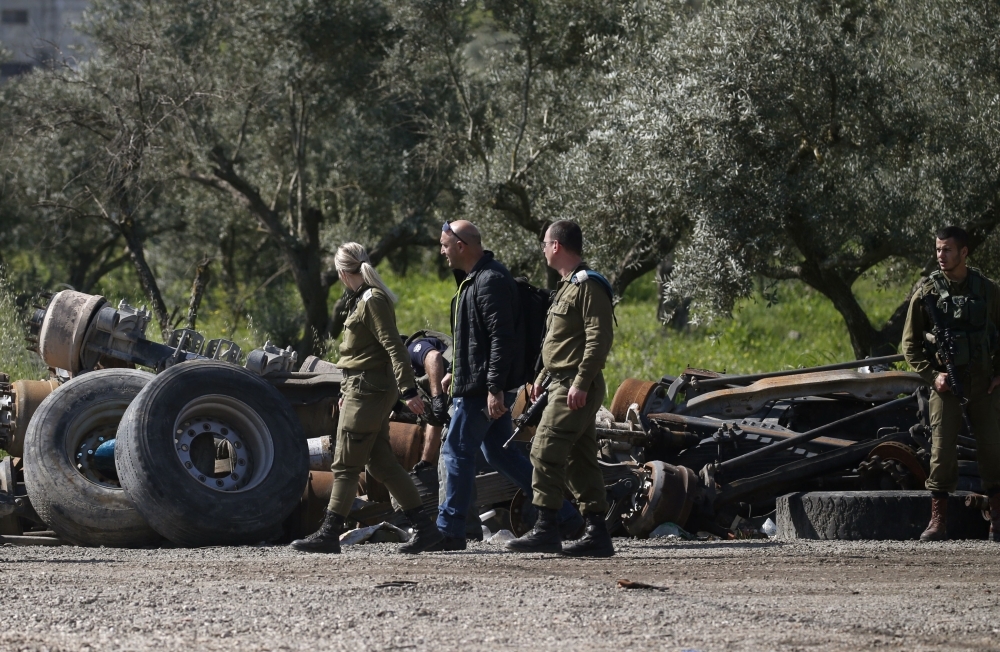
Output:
x=864 y=337
x=201 y=276
x=146 y=278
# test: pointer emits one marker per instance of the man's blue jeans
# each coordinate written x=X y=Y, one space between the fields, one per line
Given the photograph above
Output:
x=470 y=430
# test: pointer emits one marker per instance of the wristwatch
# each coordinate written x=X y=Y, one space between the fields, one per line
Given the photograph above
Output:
x=493 y=389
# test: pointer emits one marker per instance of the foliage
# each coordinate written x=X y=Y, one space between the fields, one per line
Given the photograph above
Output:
x=839 y=141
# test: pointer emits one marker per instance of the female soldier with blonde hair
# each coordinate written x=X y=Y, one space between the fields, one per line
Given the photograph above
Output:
x=376 y=370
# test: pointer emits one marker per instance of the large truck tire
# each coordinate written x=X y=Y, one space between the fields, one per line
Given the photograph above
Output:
x=877 y=515
x=69 y=476
x=211 y=454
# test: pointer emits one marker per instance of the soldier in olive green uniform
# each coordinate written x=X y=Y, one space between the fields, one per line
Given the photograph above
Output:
x=564 y=452
x=375 y=363
x=969 y=305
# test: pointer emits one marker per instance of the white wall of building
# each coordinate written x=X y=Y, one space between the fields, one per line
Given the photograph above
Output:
x=35 y=30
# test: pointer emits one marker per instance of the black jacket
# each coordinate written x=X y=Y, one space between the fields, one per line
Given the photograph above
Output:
x=487 y=329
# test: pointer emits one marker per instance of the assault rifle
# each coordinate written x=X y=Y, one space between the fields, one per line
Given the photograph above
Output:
x=531 y=416
x=945 y=341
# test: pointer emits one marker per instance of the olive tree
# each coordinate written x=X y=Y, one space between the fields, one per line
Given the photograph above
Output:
x=841 y=141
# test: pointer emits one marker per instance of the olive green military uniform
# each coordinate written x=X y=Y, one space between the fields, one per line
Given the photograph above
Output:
x=578 y=338
x=375 y=362
x=971 y=309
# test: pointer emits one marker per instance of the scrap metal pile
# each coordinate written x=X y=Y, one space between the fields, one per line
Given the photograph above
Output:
x=212 y=452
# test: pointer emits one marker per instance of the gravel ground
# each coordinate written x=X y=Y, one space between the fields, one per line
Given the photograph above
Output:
x=757 y=595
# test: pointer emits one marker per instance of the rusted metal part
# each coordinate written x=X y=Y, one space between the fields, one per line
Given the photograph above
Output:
x=668 y=494
x=307 y=516
x=742 y=401
x=894 y=451
x=28 y=395
x=723 y=380
x=707 y=426
x=632 y=390
x=407 y=443
x=785 y=477
x=810 y=435
x=320 y=453
x=61 y=337
x=18 y=401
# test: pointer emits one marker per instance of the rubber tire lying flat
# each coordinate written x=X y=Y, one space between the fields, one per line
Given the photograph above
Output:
x=876 y=515
x=175 y=503
x=82 y=512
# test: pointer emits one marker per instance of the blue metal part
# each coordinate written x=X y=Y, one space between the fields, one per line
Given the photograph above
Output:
x=104 y=459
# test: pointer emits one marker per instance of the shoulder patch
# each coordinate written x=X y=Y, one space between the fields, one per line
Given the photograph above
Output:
x=367 y=295
x=580 y=277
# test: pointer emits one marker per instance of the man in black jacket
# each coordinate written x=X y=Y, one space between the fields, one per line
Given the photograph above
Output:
x=487 y=371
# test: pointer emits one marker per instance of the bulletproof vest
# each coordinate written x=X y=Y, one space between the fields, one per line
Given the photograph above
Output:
x=967 y=317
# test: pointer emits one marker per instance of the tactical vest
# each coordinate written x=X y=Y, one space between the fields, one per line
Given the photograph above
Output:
x=968 y=319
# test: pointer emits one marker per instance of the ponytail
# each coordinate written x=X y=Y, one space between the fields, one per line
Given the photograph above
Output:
x=352 y=258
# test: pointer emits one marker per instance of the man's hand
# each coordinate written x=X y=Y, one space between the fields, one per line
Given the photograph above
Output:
x=995 y=382
x=941 y=383
x=536 y=391
x=439 y=408
x=576 y=398
x=494 y=402
x=416 y=405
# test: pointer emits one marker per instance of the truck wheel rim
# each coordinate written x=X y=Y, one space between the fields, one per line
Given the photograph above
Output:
x=216 y=423
x=86 y=434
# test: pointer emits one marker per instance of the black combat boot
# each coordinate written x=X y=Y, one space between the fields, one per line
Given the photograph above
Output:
x=995 y=516
x=326 y=538
x=544 y=537
x=595 y=542
x=425 y=534
x=937 y=529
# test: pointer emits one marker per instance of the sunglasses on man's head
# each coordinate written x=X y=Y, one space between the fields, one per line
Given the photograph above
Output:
x=446 y=228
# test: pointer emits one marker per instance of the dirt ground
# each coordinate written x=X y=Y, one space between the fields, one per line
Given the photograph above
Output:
x=760 y=595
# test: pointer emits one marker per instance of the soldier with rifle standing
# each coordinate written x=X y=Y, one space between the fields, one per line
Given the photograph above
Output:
x=950 y=338
x=578 y=338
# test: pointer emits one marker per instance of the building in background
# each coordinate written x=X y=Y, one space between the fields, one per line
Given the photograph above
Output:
x=33 y=31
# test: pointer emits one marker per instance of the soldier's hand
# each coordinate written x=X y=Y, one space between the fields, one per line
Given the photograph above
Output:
x=536 y=391
x=495 y=404
x=416 y=405
x=941 y=384
x=995 y=382
x=576 y=398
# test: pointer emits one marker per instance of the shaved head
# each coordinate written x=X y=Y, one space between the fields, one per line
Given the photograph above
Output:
x=461 y=244
x=468 y=232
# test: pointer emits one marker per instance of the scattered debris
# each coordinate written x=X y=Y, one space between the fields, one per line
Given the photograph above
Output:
x=629 y=584
x=382 y=533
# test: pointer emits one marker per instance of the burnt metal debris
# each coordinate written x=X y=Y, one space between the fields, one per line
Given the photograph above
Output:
x=703 y=449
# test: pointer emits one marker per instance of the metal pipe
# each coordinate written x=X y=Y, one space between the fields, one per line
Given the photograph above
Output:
x=709 y=426
x=722 y=381
x=809 y=435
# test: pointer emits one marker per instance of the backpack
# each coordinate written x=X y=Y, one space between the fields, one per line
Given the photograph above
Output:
x=535 y=304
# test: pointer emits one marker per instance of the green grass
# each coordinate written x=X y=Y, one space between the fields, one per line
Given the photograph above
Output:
x=758 y=338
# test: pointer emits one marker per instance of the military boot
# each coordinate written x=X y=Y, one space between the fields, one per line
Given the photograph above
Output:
x=995 y=516
x=937 y=529
x=425 y=533
x=326 y=538
x=544 y=537
x=595 y=542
